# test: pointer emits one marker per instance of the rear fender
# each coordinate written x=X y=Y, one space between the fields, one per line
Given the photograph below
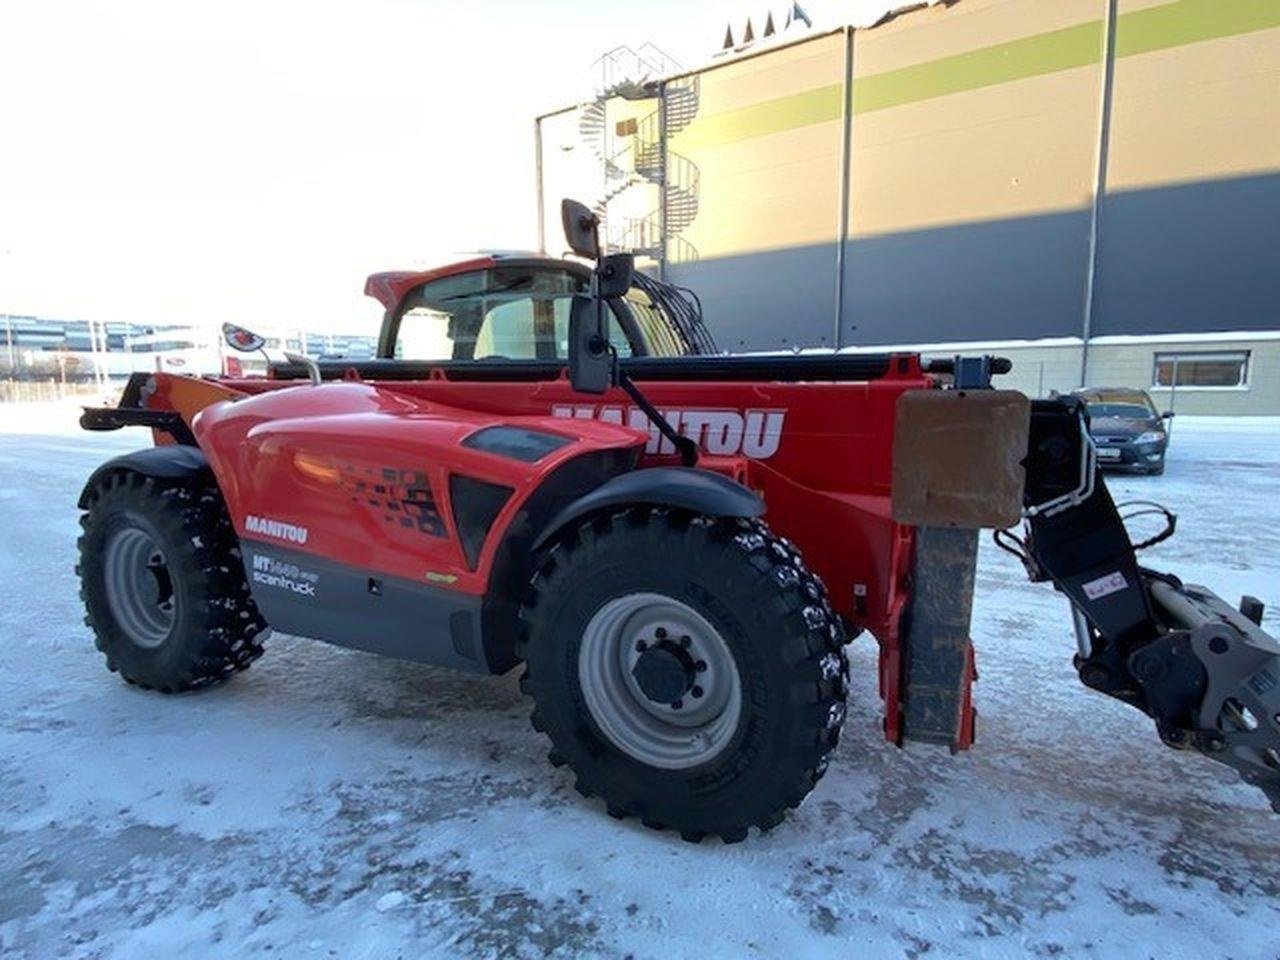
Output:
x=168 y=462
x=590 y=484
x=685 y=488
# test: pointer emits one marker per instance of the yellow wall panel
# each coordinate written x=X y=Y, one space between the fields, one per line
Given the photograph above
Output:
x=941 y=31
x=1202 y=111
x=797 y=68
x=772 y=191
x=1129 y=6
x=767 y=178
x=1016 y=149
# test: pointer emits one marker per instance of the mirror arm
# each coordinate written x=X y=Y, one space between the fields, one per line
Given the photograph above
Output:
x=687 y=448
x=313 y=368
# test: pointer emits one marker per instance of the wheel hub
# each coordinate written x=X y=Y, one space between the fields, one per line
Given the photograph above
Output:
x=139 y=586
x=659 y=680
x=665 y=672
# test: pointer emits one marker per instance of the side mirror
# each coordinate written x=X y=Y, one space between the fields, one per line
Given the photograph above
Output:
x=1167 y=415
x=614 y=274
x=581 y=229
x=246 y=341
x=590 y=359
x=240 y=339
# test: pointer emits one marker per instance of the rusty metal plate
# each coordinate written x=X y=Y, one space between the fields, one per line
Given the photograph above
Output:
x=937 y=654
x=957 y=457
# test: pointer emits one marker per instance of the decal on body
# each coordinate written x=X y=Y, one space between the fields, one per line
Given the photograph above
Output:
x=753 y=433
x=402 y=496
x=284 y=576
x=276 y=529
x=1105 y=586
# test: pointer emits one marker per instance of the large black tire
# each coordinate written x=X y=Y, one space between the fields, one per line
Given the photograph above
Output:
x=163 y=583
x=771 y=613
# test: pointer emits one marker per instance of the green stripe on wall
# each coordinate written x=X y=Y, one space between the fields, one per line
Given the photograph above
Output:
x=1142 y=31
x=768 y=116
x=1032 y=56
x=1191 y=21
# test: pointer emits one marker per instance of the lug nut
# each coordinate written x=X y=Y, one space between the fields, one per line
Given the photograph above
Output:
x=677 y=705
x=660 y=633
x=640 y=646
x=696 y=691
x=701 y=667
x=685 y=642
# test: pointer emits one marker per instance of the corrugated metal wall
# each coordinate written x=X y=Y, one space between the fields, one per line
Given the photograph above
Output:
x=950 y=191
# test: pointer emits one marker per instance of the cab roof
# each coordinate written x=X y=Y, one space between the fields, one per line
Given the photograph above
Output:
x=389 y=287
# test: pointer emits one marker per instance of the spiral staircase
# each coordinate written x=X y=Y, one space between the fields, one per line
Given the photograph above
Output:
x=640 y=159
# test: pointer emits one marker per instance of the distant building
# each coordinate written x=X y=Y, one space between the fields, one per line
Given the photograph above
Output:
x=43 y=347
x=1095 y=196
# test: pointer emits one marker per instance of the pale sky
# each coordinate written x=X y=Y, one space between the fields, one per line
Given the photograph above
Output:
x=186 y=161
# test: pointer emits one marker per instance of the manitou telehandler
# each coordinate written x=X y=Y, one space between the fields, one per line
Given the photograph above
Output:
x=547 y=464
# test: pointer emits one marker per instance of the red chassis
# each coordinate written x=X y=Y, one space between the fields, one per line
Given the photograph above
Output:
x=356 y=475
x=684 y=657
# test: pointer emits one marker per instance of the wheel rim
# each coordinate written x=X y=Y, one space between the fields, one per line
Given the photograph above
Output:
x=636 y=653
x=139 y=587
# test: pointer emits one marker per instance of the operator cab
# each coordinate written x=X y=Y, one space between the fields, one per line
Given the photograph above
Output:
x=516 y=306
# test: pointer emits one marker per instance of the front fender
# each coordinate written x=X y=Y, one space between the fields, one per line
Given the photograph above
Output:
x=168 y=462
x=687 y=488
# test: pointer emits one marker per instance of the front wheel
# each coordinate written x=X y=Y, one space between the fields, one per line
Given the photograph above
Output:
x=163 y=585
x=689 y=669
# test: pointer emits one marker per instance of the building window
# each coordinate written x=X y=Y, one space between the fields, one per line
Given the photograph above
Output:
x=1212 y=369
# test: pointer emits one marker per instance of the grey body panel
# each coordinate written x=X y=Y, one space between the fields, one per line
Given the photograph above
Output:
x=313 y=597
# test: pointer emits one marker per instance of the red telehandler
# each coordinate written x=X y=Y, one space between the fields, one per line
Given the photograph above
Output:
x=676 y=544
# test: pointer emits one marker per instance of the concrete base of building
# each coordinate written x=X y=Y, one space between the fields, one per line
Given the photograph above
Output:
x=1042 y=367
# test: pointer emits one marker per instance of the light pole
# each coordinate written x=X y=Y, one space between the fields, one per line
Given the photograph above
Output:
x=8 y=339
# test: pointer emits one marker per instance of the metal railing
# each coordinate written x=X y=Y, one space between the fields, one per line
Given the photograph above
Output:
x=646 y=158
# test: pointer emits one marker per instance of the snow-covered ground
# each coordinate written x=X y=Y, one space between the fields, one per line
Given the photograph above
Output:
x=334 y=804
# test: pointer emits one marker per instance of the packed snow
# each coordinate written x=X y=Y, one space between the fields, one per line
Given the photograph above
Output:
x=334 y=804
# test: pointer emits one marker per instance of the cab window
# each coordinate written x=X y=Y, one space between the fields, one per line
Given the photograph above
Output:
x=508 y=312
x=654 y=326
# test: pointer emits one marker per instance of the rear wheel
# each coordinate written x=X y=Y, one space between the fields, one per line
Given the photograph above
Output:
x=163 y=584
x=689 y=669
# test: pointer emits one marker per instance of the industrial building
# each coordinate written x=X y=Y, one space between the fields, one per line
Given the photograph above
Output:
x=1090 y=187
x=32 y=346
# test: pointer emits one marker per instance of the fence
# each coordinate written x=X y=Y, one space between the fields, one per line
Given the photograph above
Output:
x=51 y=389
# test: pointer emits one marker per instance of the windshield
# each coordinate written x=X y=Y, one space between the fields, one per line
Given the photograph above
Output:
x=521 y=312
x=1122 y=411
